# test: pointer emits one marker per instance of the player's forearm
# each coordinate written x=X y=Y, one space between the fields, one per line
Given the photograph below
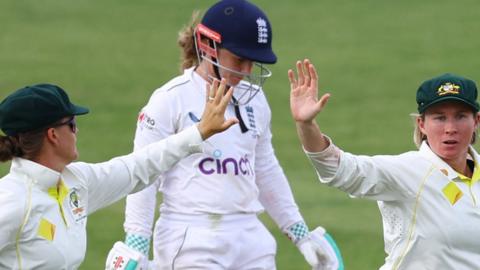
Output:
x=311 y=137
x=140 y=211
x=280 y=205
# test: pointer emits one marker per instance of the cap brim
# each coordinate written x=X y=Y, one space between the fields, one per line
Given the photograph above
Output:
x=79 y=110
x=449 y=98
x=264 y=56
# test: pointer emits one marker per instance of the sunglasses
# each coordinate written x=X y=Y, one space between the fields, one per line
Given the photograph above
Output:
x=72 y=124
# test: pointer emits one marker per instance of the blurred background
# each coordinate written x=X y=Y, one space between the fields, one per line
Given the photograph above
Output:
x=371 y=56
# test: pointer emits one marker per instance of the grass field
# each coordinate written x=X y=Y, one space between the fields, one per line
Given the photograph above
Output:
x=371 y=55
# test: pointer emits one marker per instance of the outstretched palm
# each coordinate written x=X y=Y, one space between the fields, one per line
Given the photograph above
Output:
x=304 y=102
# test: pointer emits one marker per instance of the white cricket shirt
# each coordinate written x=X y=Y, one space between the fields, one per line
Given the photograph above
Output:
x=43 y=213
x=236 y=173
x=431 y=218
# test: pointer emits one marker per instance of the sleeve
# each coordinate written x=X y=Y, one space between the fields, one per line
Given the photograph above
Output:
x=155 y=123
x=275 y=193
x=110 y=181
x=11 y=215
x=371 y=177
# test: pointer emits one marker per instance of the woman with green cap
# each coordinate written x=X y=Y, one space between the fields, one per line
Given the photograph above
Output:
x=429 y=199
x=45 y=198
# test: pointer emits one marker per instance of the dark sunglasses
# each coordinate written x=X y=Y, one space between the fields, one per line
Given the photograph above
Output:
x=70 y=122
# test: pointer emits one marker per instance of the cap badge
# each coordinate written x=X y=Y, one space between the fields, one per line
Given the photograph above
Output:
x=262 y=30
x=448 y=88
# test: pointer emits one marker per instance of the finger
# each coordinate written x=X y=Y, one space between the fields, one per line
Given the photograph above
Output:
x=314 y=75
x=291 y=78
x=301 y=77
x=207 y=97
x=322 y=102
x=220 y=91
x=228 y=123
x=226 y=98
x=306 y=66
x=214 y=89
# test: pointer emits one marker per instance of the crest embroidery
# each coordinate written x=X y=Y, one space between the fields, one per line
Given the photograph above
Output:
x=76 y=206
x=448 y=88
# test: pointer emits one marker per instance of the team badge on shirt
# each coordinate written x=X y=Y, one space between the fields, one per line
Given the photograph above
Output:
x=76 y=206
x=251 y=121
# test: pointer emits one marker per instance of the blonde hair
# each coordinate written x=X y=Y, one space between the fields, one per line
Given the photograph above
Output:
x=419 y=137
x=186 y=41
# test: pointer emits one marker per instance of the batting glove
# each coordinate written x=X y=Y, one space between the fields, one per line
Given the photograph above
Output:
x=318 y=247
x=123 y=257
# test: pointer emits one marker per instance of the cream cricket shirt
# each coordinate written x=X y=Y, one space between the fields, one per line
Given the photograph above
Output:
x=431 y=217
x=43 y=213
x=236 y=173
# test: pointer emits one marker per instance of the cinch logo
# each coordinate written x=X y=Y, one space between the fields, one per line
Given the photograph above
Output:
x=211 y=165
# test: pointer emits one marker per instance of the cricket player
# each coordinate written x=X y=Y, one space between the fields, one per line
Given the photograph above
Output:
x=428 y=198
x=45 y=198
x=208 y=218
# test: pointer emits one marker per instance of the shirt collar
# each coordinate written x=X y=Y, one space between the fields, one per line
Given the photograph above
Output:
x=42 y=176
x=475 y=176
x=427 y=152
x=198 y=80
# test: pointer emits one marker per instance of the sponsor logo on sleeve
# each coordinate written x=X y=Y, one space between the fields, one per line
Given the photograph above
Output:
x=145 y=121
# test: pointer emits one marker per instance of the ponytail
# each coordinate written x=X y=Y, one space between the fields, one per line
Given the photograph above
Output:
x=25 y=145
x=9 y=148
x=186 y=41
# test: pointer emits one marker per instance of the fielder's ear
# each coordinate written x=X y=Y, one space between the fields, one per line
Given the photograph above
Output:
x=51 y=135
x=477 y=119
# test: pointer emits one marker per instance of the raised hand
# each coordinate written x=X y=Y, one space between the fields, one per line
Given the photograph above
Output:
x=304 y=102
x=213 y=118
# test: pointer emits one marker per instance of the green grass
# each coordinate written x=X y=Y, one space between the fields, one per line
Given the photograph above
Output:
x=371 y=56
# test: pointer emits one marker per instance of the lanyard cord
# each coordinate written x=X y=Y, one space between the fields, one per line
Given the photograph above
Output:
x=243 y=127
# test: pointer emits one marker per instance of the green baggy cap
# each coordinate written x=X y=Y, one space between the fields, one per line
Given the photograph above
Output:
x=447 y=87
x=34 y=107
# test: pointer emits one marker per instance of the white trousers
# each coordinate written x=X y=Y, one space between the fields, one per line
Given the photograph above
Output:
x=213 y=242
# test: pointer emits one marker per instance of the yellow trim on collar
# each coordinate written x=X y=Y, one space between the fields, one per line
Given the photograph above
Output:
x=58 y=193
x=475 y=177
